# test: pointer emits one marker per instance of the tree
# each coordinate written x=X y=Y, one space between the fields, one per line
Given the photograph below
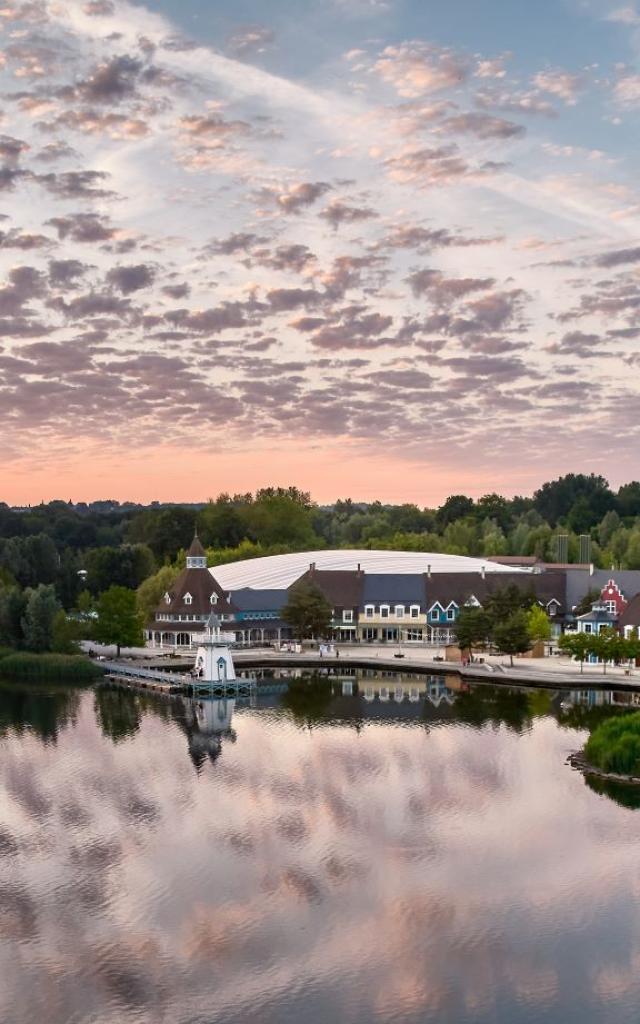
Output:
x=585 y=603
x=64 y=634
x=124 y=566
x=119 y=621
x=13 y=604
x=220 y=524
x=307 y=611
x=506 y=600
x=150 y=592
x=512 y=636
x=578 y=645
x=280 y=518
x=37 y=624
x=591 y=496
x=538 y=624
x=472 y=629
x=165 y=531
x=457 y=506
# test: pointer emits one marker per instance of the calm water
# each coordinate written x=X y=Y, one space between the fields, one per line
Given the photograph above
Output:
x=419 y=856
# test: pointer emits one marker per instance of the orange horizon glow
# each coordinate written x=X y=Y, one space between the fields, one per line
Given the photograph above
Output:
x=172 y=474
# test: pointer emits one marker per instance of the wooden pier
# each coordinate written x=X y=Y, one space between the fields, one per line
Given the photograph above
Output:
x=173 y=683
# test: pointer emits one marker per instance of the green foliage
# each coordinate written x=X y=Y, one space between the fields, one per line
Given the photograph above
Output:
x=473 y=628
x=40 y=613
x=126 y=566
x=538 y=624
x=505 y=600
x=119 y=621
x=307 y=611
x=512 y=635
x=150 y=592
x=55 y=667
x=13 y=603
x=614 y=746
x=65 y=634
x=165 y=531
x=577 y=645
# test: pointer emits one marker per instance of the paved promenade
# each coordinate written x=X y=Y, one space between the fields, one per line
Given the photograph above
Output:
x=554 y=672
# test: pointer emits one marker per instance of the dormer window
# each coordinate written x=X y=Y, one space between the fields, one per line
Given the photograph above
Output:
x=167 y=598
x=188 y=599
x=213 y=599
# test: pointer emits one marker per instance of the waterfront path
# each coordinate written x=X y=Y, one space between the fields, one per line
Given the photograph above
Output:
x=554 y=672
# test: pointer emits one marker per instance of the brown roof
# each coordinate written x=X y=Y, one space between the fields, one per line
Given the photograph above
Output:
x=460 y=586
x=196 y=550
x=201 y=585
x=631 y=614
x=341 y=587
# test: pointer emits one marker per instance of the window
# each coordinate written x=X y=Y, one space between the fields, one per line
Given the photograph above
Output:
x=434 y=614
x=399 y=611
x=611 y=607
x=188 y=599
x=347 y=615
x=451 y=614
x=167 y=598
x=415 y=611
x=213 y=598
x=368 y=611
x=384 y=611
x=587 y=627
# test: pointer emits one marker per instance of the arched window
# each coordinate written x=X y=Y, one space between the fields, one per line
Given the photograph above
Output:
x=188 y=599
x=213 y=598
x=167 y=598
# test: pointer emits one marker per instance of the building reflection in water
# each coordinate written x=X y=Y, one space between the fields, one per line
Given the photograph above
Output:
x=207 y=723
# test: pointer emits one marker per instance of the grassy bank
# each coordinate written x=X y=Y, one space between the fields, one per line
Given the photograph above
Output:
x=59 y=668
x=614 y=746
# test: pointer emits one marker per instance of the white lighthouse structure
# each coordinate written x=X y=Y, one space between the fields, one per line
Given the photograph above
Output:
x=214 y=665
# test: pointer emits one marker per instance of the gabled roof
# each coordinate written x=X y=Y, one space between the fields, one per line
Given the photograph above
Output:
x=341 y=587
x=631 y=614
x=459 y=587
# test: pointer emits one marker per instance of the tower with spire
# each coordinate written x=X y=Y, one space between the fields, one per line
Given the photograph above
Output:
x=183 y=614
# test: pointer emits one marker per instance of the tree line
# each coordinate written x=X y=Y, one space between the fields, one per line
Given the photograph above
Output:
x=81 y=551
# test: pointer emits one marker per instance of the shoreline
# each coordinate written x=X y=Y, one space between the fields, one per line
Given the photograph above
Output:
x=578 y=761
x=478 y=672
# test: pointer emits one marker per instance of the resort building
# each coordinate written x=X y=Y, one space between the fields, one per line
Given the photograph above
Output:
x=184 y=610
x=392 y=608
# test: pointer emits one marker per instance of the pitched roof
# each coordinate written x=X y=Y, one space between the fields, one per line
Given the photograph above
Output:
x=459 y=587
x=248 y=600
x=389 y=589
x=341 y=587
x=631 y=614
x=196 y=550
x=201 y=585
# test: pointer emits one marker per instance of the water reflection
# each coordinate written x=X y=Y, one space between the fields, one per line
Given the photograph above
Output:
x=30 y=708
x=421 y=854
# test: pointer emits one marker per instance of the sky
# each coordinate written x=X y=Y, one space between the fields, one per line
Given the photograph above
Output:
x=374 y=248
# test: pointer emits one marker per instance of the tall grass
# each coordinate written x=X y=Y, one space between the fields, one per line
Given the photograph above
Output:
x=60 y=668
x=614 y=746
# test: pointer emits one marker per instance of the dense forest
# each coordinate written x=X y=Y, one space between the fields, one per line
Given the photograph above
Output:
x=78 y=551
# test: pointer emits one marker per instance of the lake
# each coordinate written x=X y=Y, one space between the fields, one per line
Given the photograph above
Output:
x=362 y=850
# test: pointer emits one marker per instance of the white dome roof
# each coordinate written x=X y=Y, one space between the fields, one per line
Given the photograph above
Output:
x=276 y=572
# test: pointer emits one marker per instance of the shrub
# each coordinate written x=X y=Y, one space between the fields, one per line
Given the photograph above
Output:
x=63 y=668
x=614 y=746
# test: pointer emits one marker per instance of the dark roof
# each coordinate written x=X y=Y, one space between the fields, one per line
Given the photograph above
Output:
x=341 y=587
x=445 y=587
x=249 y=600
x=196 y=550
x=201 y=585
x=580 y=582
x=394 y=588
x=631 y=614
